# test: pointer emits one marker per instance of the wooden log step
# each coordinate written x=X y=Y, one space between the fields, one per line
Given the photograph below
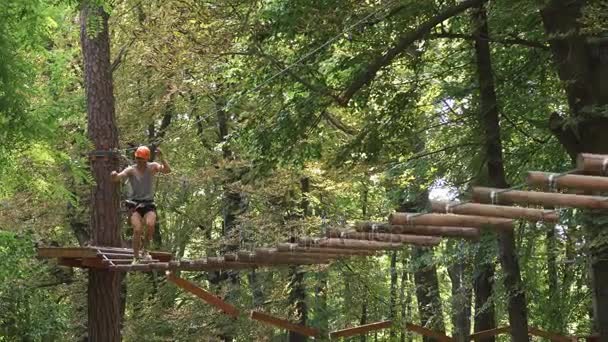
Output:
x=462 y=232
x=478 y=209
x=349 y=244
x=285 y=324
x=294 y=247
x=483 y=194
x=386 y=237
x=299 y=254
x=546 y=180
x=450 y=220
x=66 y=252
x=592 y=163
x=360 y=330
x=208 y=297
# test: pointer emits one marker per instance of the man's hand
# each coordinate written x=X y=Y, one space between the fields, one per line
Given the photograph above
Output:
x=114 y=175
x=159 y=153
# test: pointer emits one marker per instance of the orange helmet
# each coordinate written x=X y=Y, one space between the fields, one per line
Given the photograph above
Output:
x=142 y=152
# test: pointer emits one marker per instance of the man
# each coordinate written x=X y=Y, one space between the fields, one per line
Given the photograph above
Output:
x=141 y=202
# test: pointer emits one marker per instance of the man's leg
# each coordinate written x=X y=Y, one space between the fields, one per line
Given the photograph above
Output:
x=136 y=222
x=150 y=219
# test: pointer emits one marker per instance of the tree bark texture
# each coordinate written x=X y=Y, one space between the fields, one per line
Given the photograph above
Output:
x=297 y=295
x=103 y=287
x=518 y=317
x=461 y=302
x=582 y=66
x=427 y=294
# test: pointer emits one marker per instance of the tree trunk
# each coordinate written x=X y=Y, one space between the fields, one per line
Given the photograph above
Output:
x=233 y=205
x=297 y=295
x=483 y=285
x=582 y=66
x=427 y=293
x=518 y=317
x=461 y=302
x=554 y=312
x=104 y=286
x=393 y=292
x=363 y=319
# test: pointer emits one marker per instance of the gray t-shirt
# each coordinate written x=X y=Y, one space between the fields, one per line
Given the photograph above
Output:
x=142 y=184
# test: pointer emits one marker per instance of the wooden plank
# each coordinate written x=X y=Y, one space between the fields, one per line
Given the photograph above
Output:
x=116 y=255
x=432 y=219
x=360 y=330
x=483 y=194
x=489 y=333
x=528 y=214
x=386 y=237
x=428 y=332
x=208 y=297
x=582 y=182
x=444 y=231
x=285 y=324
x=66 y=252
x=70 y=262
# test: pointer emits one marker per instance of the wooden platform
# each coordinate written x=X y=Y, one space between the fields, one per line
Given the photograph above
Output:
x=121 y=260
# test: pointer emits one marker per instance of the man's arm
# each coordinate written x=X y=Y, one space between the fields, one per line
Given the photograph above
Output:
x=163 y=166
x=118 y=176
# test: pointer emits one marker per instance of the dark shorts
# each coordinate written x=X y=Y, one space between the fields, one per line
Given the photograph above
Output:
x=141 y=207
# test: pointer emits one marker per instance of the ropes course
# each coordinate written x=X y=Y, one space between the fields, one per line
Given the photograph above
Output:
x=460 y=220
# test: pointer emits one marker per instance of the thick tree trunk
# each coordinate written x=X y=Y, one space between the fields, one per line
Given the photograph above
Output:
x=483 y=285
x=427 y=293
x=103 y=287
x=518 y=317
x=582 y=66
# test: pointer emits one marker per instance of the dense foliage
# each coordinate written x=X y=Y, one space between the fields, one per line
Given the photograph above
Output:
x=247 y=98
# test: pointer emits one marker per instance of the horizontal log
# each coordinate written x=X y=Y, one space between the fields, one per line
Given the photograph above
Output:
x=208 y=297
x=528 y=214
x=450 y=220
x=463 y=232
x=294 y=247
x=540 y=198
x=439 y=336
x=300 y=254
x=489 y=333
x=285 y=324
x=592 y=163
x=275 y=258
x=360 y=330
x=386 y=237
x=350 y=244
x=546 y=180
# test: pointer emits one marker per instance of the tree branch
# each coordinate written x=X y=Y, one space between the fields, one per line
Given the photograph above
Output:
x=367 y=75
x=338 y=124
x=511 y=41
x=121 y=55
